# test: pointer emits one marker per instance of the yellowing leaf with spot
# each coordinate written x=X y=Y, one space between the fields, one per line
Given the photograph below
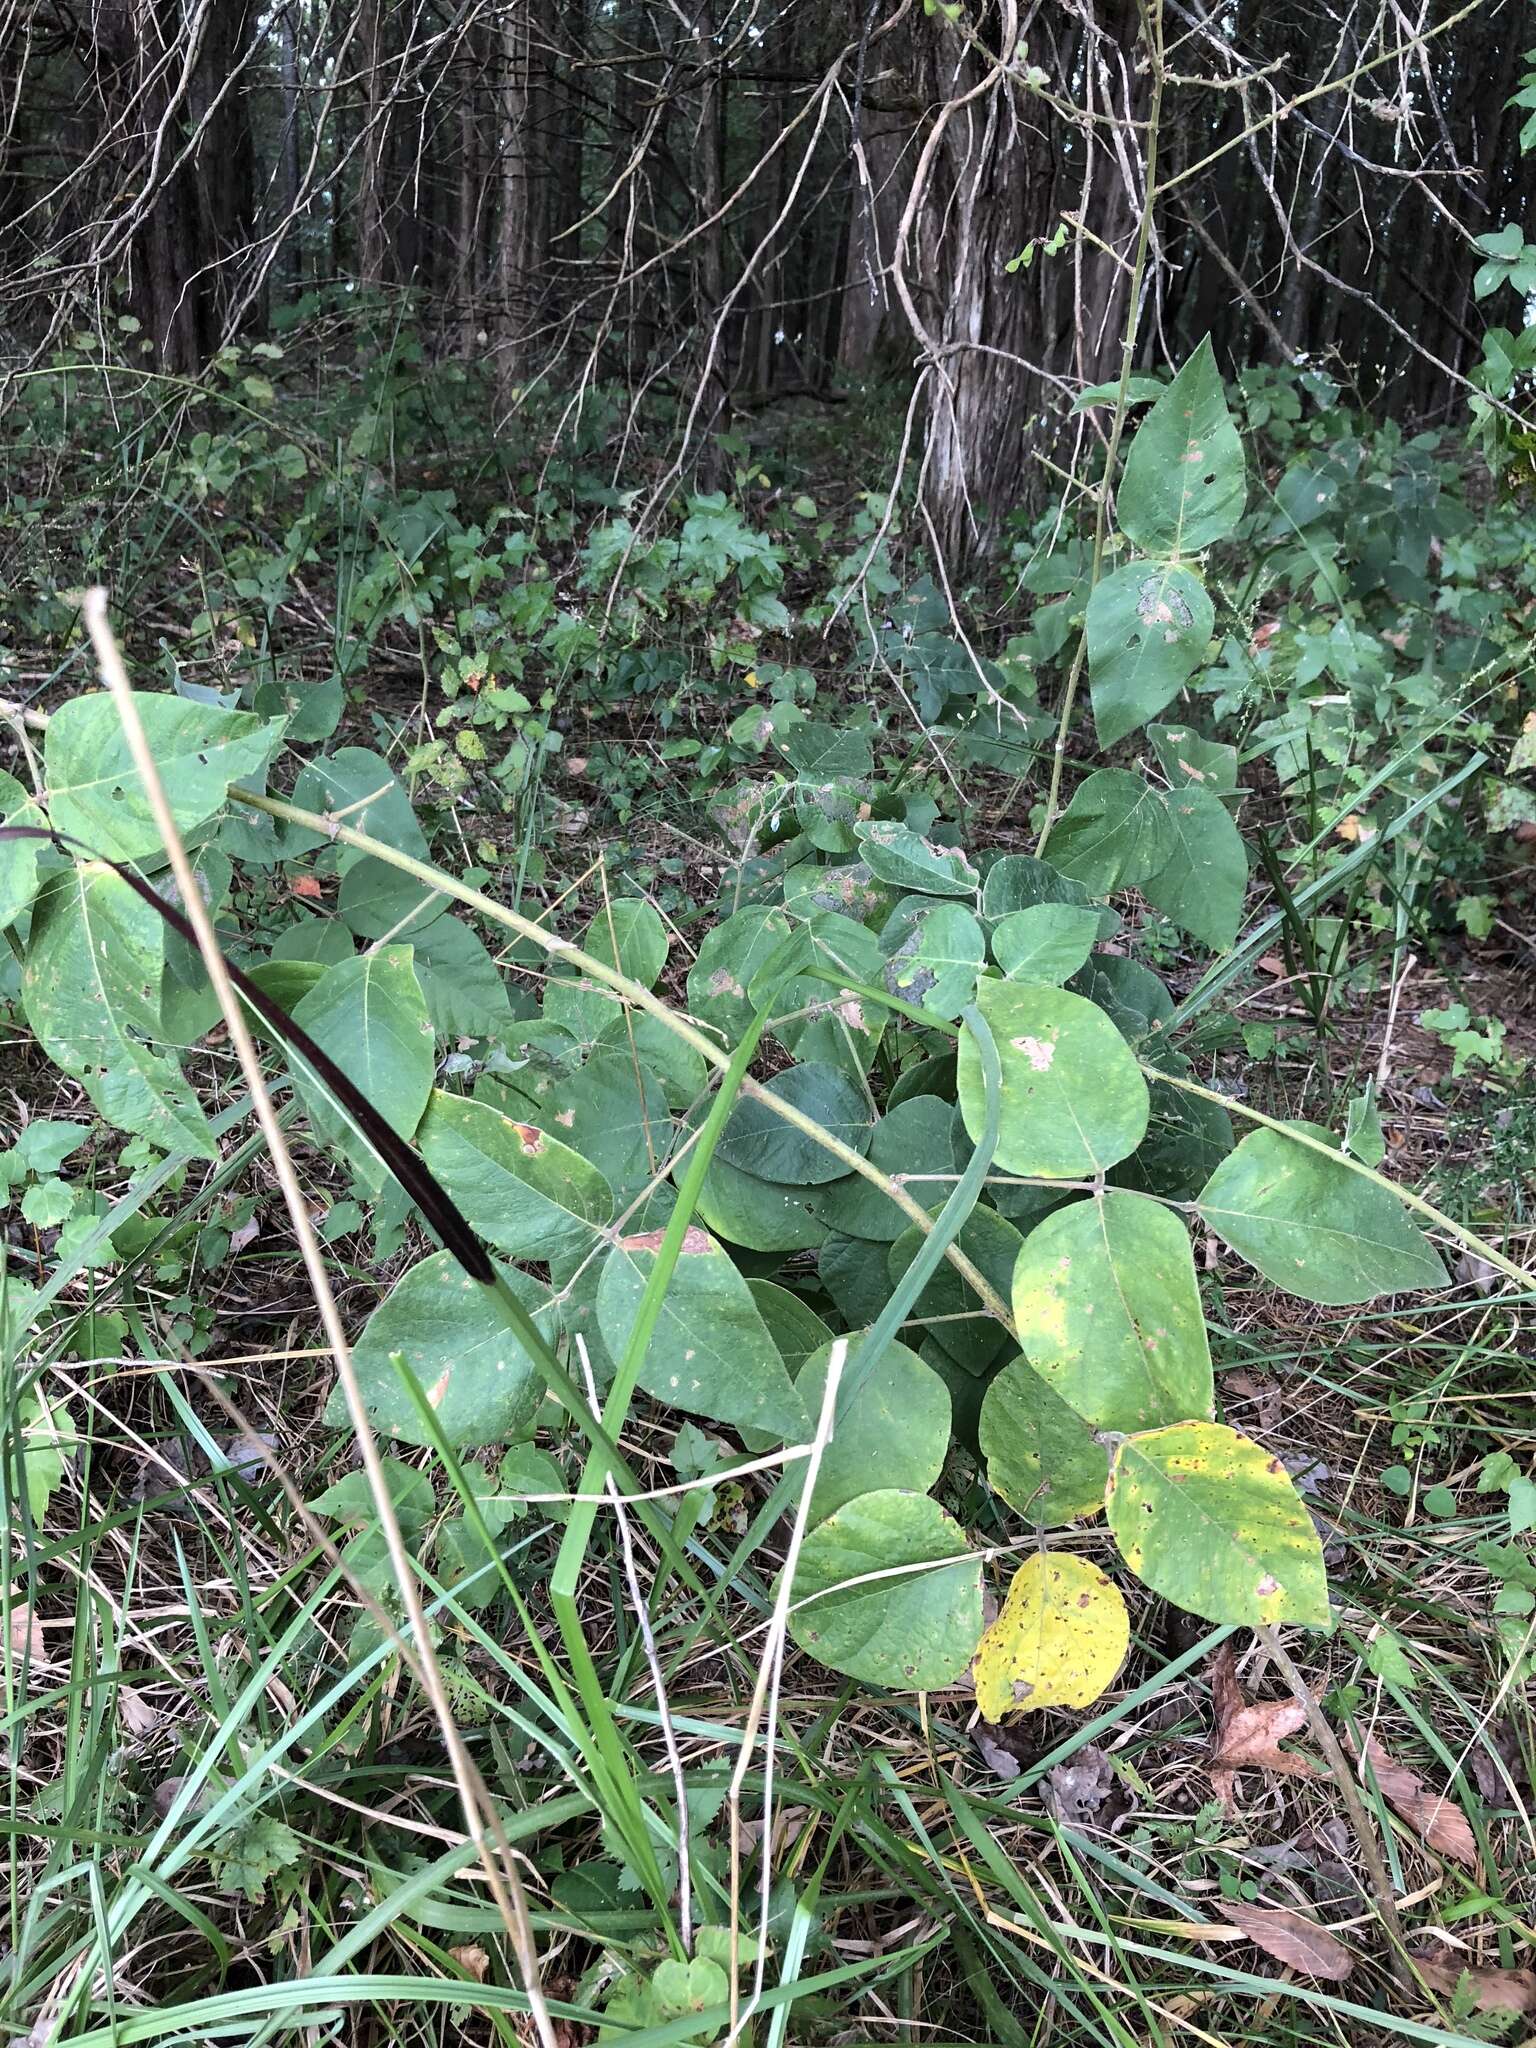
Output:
x=1060 y=1639
x=1211 y=1521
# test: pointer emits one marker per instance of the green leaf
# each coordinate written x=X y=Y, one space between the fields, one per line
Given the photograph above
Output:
x=362 y=784
x=1061 y=1636
x=912 y=1632
x=350 y=1499
x=710 y=1353
x=896 y=854
x=465 y=994
x=1212 y=1522
x=1185 y=483
x=915 y=1136
x=1190 y=762
x=453 y=1335
x=1107 y=1308
x=254 y=1855
x=628 y=934
x=1041 y=1455
x=1363 y=1135
x=91 y=990
x=1074 y=1101
x=1047 y=943
x=796 y=1330
x=894 y=1426
x=947 y=1304
x=46 y=1203
x=524 y=1192
x=18 y=857
x=378 y=900
x=1115 y=833
x=936 y=958
x=47 y=1441
x=42 y=1146
x=610 y=1110
x=728 y=958
x=830 y=1024
x=1313 y=1226
x=759 y=1215
x=94 y=792
x=1148 y=627
x=1206 y=876
x=757 y=1140
x=1187 y=1139
x=369 y=1014
x=1018 y=882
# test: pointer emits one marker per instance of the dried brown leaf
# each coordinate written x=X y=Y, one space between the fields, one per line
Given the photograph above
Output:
x=1492 y=1990
x=1248 y=1736
x=1292 y=1939
x=26 y=1634
x=1434 y=1815
x=474 y=1962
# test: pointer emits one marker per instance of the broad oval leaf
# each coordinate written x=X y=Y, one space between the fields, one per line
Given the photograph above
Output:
x=18 y=857
x=1049 y=942
x=1314 y=1226
x=1148 y=627
x=1114 y=834
x=522 y=1190
x=914 y=1136
x=1210 y=1520
x=1187 y=1139
x=1206 y=876
x=91 y=991
x=891 y=1422
x=1073 y=1099
x=1061 y=1636
x=728 y=958
x=935 y=959
x=756 y=1139
x=1041 y=1455
x=1185 y=482
x=1107 y=1308
x=370 y=1015
x=954 y=1314
x=796 y=1330
x=759 y=1215
x=628 y=934
x=466 y=996
x=710 y=1353
x=912 y=1631
x=94 y=791
x=610 y=1109
x=453 y=1335
x=898 y=855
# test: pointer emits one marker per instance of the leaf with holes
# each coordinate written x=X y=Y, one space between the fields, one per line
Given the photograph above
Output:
x=891 y=1421
x=1203 y=884
x=710 y=1353
x=1313 y=1225
x=896 y=854
x=91 y=990
x=1185 y=482
x=1041 y=1455
x=729 y=956
x=453 y=1336
x=522 y=1190
x=1061 y=1636
x=936 y=959
x=94 y=791
x=758 y=1140
x=1048 y=942
x=370 y=1015
x=1114 y=834
x=913 y=1622
x=1073 y=1099
x=1107 y=1308
x=1212 y=1522
x=1148 y=627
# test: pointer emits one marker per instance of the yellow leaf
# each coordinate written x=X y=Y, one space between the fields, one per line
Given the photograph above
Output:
x=1060 y=1639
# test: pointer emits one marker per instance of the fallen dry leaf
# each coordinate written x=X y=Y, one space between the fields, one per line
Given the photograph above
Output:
x=1248 y=1736
x=1292 y=1939
x=27 y=1635
x=1084 y=1791
x=1271 y=963
x=1434 y=1815
x=138 y=1716
x=1492 y=1990
x=305 y=885
x=474 y=1962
